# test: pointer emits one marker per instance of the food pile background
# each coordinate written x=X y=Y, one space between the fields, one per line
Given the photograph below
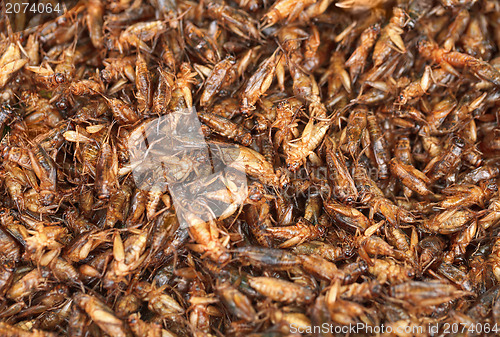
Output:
x=368 y=131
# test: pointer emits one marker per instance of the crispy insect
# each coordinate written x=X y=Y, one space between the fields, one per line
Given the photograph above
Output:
x=202 y=44
x=379 y=146
x=267 y=257
x=287 y=319
x=312 y=57
x=468 y=195
x=285 y=123
x=368 y=190
x=441 y=166
x=297 y=234
x=373 y=245
x=460 y=243
x=306 y=89
x=281 y=290
x=10 y=62
x=299 y=149
x=139 y=33
x=41 y=110
x=206 y=234
x=475 y=40
x=114 y=68
x=226 y=128
x=449 y=221
x=456 y=29
x=325 y=250
x=102 y=315
x=163 y=93
x=357 y=61
x=426 y=293
x=359 y=5
x=199 y=316
x=80 y=248
x=95 y=14
x=143 y=84
x=158 y=301
x=252 y=163
x=118 y=206
x=494 y=259
x=183 y=83
x=390 y=37
x=86 y=87
x=492 y=214
x=237 y=303
x=390 y=270
x=410 y=176
x=282 y=9
x=289 y=37
x=122 y=111
x=321 y=268
x=128 y=256
x=6 y=277
x=484 y=172
x=451 y=59
x=343 y=185
x=52 y=298
x=142 y=328
x=344 y=312
x=402 y=152
x=106 y=171
x=337 y=77
x=353 y=133
x=361 y=292
x=347 y=216
x=77 y=222
x=30 y=283
x=455 y=275
x=221 y=74
x=15 y=188
x=453 y=3
x=45 y=169
x=260 y=81
x=307 y=164
x=418 y=88
x=15 y=331
x=430 y=249
x=78 y=321
x=237 y=21
x=257 y=214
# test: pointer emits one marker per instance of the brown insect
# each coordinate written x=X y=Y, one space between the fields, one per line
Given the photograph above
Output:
x=296 y=234
x=281 y=290
x=357 y=60
x=455 y=59
x=390 y=37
